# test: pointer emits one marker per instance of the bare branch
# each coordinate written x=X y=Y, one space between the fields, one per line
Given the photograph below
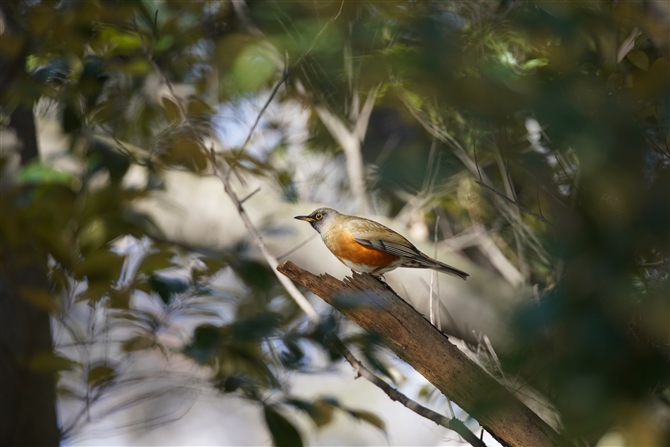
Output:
x=452 y=424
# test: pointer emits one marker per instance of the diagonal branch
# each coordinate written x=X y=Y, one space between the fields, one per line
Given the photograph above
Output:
x=429 y=351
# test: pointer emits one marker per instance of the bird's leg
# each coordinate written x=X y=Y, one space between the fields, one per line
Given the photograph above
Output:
x=378 y=276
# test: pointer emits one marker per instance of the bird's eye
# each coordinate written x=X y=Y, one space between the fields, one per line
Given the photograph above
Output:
x=318 y=216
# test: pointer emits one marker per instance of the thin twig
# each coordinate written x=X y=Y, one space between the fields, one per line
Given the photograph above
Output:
x=537 y=196
x=316 y=38
x=476 y=161
x=258 y=118
x=452 y=424
x=434 y=319
x=297 y=247
x=521 y=207
x=250 y=195
x=298 y=297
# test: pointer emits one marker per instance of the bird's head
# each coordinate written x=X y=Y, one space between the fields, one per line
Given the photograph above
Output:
x=320 y=219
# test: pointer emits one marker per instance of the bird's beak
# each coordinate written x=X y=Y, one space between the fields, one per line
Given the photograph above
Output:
x=305 y=218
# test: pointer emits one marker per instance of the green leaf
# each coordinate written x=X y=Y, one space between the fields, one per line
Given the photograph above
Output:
x=71 y=121
x=638 y=58
x=284 y=434
x=534 y=63
x=615 y=81
x=170 y=111
x=199 y=107
x=138 y=343
x=185 y=151
x=255 y=274
x=40 y=298
x=256 y=327
x=65 y=392
x=119 y=299
x=321 y=411
x=101 y=375
x=167 y=287
x=156 y=261
x=49 y=362
x=100 y=265
x=93 y=235
x=368 y=417
x=253 y=68
x=38 y=173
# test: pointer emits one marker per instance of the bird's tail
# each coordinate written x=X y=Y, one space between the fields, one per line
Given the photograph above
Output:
x=427 y=262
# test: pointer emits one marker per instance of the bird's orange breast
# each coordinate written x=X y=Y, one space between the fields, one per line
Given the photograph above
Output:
x=344 y=246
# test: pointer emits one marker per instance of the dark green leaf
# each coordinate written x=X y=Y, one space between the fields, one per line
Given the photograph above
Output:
x=101 y=375
x=138 y=343
x=256 y=327
x=40 y=298
x=156 y=261
x=49 y=361
x=71 y=121
x=99 y=266
x=170 y=111
x=368 y=417
x=166 y=288
x=284 y=434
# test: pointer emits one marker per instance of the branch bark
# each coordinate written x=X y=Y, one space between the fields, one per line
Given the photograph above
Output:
x=418 y=343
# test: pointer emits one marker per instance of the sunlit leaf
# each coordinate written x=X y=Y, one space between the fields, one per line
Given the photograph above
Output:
x=638 y=58
x=534 y=63
x=93 y=235
x=38 y=173
x=253 y=68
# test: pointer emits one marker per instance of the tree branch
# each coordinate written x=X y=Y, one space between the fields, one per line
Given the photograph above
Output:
x=421 y=345
x=452 y=424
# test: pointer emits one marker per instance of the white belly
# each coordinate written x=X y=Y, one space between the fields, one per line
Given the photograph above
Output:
x=356 y=267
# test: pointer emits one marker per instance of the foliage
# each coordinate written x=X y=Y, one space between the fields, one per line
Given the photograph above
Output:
x=545 y=123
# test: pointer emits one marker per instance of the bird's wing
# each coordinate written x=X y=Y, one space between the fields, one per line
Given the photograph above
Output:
x=377 y=236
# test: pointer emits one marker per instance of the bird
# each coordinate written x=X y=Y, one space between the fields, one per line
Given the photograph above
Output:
x=367 y=246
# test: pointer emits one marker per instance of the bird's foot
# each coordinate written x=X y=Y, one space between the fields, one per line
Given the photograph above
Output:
x=378 y=276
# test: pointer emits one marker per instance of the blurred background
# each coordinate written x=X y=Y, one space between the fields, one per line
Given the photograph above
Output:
x=524 y=142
